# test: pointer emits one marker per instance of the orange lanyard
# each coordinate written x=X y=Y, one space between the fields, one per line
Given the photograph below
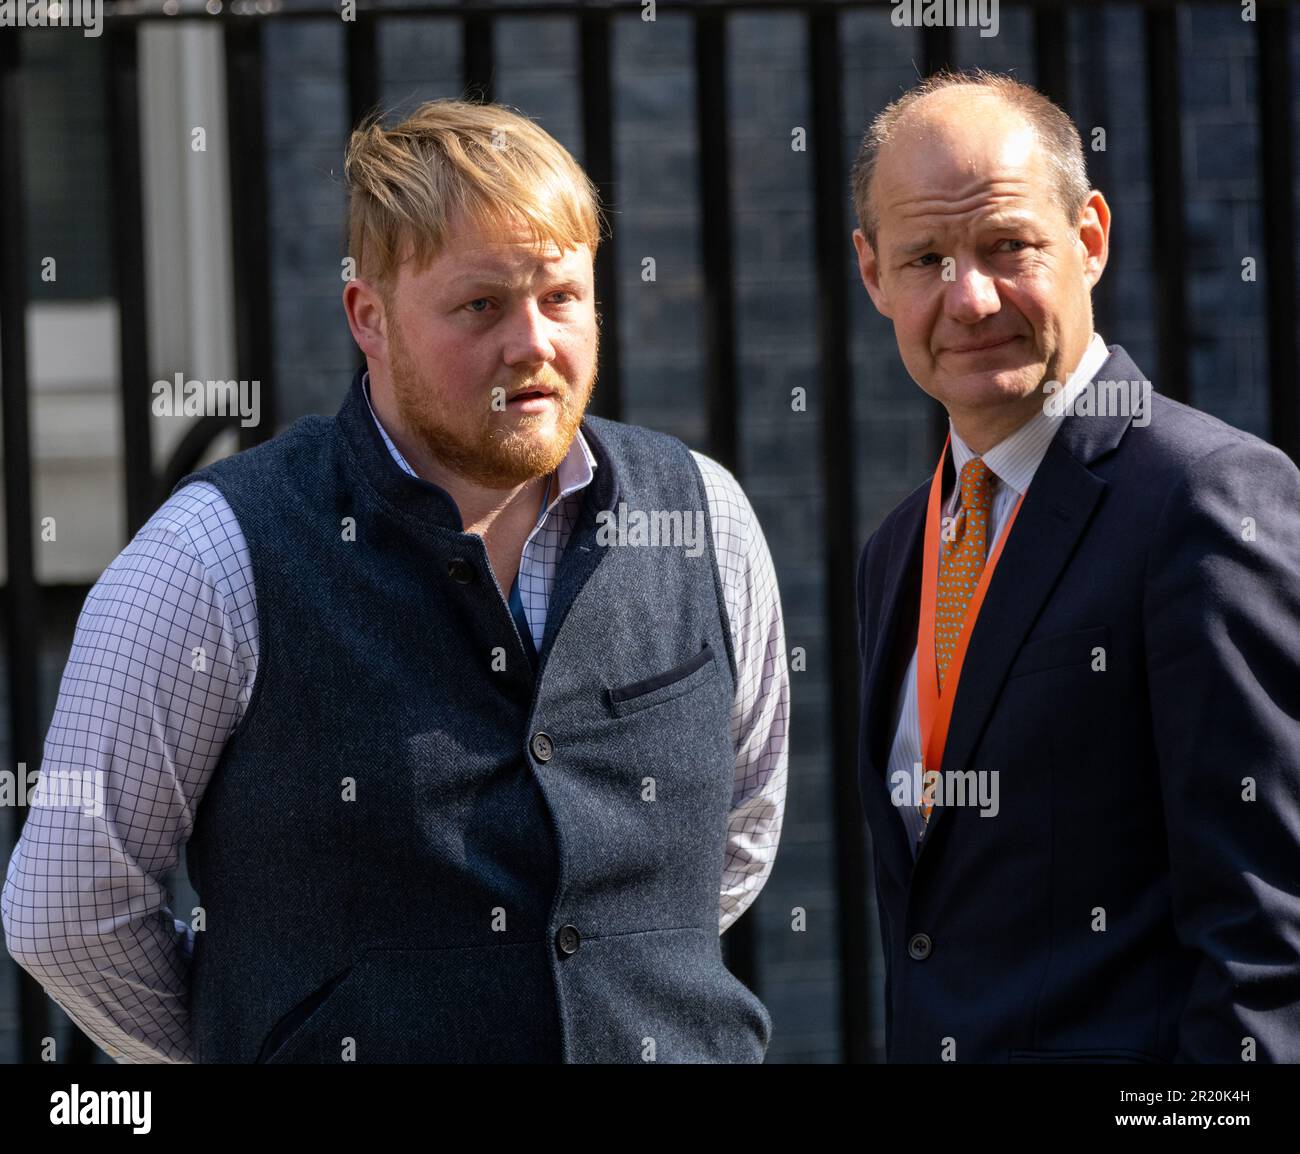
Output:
x=935 y=707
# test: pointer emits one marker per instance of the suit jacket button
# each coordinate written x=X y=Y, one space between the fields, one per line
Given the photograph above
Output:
x=919 y=947
x=543 y=746
x=568 y=940
x=460 y=570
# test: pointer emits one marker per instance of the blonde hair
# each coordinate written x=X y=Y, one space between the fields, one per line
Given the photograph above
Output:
x=452 y=157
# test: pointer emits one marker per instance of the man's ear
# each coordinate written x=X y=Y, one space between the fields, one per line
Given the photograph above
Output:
x=365 y=311
x=869 y=270
x=1094 y=235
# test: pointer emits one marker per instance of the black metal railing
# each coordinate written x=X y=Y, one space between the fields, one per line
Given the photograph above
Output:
x=24 y=600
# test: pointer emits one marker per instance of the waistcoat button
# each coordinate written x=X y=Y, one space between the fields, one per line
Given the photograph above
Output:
x=460 y=570
x=568 y=940
x=919 y=947
x=543 y=746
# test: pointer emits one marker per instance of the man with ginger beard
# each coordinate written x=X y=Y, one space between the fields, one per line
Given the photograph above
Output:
x=467 y=783
x=1080 y=753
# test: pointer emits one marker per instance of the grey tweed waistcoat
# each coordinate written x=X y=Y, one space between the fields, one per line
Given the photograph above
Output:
x=415 y=848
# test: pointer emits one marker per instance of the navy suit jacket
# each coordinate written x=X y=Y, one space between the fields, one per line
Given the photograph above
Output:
x=1137 y=896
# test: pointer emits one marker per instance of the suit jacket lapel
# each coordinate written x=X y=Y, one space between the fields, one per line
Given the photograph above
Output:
x=1057 y=507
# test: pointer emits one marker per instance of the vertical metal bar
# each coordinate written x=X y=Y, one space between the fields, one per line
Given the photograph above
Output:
x=1168 y=230
x=477 y=55
x=22 y=598
x=127 y=240
x=1050 y=61
x=840 y=529
x=598 y=159
x=363 y=84
x=1095 y=111
x=937 y=54
x=740 y=941
x=936 y=49
x=715 y=228
x=1275 y=153
x=363 y=80
x=248 y=208
x=1053 y=74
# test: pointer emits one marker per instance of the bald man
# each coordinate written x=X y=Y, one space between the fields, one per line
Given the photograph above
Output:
x=1081 y=638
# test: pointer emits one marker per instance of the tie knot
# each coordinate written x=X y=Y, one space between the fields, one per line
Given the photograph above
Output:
x=976 y=484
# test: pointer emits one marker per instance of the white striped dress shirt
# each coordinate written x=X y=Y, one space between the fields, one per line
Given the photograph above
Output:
x=84 y=905
x=1013 y=463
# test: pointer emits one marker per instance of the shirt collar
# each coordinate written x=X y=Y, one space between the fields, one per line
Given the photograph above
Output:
x=574 y=472
x=1015 y=459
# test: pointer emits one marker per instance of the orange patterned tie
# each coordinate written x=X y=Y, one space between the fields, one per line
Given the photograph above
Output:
x=965 y=547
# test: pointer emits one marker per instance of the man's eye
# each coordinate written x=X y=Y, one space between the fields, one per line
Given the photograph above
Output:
x=927 y=256
x=1014 y=240
x=478 y=301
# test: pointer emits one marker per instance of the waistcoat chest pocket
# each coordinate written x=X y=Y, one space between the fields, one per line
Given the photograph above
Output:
x=675 y=682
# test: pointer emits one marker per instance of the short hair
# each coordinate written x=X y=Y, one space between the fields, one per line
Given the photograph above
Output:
x=486 y=161
x=1054 y=128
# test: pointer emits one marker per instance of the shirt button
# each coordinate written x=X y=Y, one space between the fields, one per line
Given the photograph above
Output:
x=460 y=570
x=568 y=940
x=543 y=746
x=919 y=947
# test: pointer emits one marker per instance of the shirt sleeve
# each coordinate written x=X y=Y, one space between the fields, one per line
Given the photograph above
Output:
x=149 y=695
x=761 y=710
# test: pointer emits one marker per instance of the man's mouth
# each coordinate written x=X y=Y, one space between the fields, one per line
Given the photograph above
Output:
x=983 y=348
x=531 y=400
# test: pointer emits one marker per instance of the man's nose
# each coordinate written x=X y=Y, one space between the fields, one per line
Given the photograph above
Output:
x=528 y=336
x=971 y=295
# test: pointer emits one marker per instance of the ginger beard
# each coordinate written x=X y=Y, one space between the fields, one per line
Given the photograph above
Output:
x=495 y=448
